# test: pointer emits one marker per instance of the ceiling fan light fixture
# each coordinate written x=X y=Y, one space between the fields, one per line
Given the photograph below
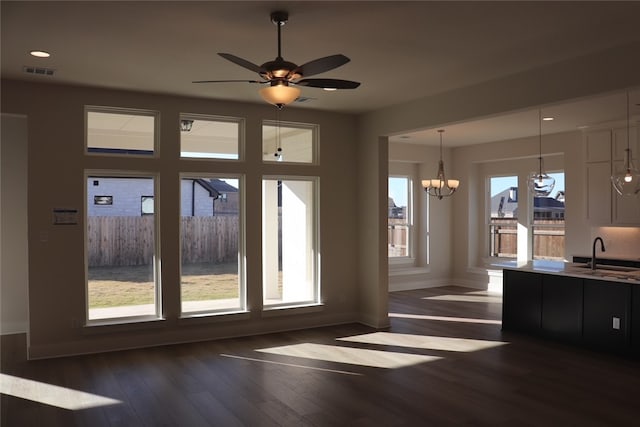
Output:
x=280 y=94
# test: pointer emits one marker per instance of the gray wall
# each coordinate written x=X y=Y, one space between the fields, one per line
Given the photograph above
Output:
x=57 y=163
x=14 y=274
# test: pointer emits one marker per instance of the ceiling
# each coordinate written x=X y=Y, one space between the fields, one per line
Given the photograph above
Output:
x=399 y=51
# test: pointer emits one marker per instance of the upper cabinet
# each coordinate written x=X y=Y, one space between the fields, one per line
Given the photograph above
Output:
x=605 y=152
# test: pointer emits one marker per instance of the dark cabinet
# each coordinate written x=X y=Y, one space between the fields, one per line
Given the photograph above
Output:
x=562 y=307
x=607 y=313
x=635 y=319
x=522 y=301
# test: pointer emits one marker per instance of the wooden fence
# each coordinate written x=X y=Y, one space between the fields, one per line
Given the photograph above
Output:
x=548 y=238
x=120 y=241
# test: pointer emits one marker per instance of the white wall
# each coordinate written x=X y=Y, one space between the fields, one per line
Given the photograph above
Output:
x=14 y=272
x=421 y=162
x=57 y=163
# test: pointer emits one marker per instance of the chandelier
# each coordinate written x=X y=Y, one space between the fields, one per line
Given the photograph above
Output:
x=440 y=186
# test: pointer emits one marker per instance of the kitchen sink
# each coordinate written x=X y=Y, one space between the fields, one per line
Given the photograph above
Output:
x=610 y=271
x=613 y=268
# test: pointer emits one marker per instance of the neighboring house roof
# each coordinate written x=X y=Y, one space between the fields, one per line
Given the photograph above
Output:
x=505 y=203
x=222 y=186
x=207 y=186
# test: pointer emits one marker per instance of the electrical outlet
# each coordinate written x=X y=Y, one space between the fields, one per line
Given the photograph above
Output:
x=616 y=322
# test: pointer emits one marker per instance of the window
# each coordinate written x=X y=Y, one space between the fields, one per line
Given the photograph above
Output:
x=146 y=205
x=289 y=242
x=548 y=222
x=211 y=245
x=120 y=131
x=102 y=200
x=121 y=256
x=210 y=137
x=503 y=219
x=400 y=217
x=289 y=142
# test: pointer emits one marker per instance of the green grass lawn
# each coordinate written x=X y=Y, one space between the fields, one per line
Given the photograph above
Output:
x=133 y=285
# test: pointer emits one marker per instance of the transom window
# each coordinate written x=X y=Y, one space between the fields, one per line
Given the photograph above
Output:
x=289 y=142
x=209 y=137
x=120 y=131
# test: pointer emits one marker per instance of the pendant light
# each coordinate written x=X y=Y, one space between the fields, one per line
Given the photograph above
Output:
x=626 y=180
x=540 y=184
x=440 y=186
x=278 y=152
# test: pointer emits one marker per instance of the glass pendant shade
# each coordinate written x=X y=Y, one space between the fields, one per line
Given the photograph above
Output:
x=440 y=187
x=541 y=184
x=626 y=180
x=280 y=95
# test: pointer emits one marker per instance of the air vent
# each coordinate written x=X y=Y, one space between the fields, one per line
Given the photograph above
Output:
x=302 y=99
x=41 y=71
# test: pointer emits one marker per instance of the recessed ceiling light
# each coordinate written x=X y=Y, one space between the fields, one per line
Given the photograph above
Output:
x=40 y=54
x=548 y=119
x=330 y=89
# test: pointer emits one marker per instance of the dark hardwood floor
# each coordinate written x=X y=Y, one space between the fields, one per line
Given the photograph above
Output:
x=444 y=361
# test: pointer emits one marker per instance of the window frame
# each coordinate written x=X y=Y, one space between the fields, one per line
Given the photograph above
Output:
x=239 y=121
x=242 y=268
x=315 y=141
x=533 y=226
x=123 y=111
x=488 y=235
x=156 y=268
x=410 y=258
x=315 y=258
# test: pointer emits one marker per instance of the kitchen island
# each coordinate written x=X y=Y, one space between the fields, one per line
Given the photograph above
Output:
x=572 y=303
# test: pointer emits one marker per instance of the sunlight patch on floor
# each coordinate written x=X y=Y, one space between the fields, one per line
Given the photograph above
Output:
x=349 y=355
x=49 y=394
x=446 y=319
x=251 y=359
x=467 y=298
x=425 y=342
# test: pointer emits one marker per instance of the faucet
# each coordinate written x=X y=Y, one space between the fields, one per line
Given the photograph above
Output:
x=593 y=251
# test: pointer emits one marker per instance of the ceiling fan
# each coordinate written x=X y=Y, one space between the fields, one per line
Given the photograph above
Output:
x=282 y=76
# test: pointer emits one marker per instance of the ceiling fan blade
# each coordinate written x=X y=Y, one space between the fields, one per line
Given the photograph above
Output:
x=242 y=62
x=230 y=81
x=329 y=83
x=320 y=65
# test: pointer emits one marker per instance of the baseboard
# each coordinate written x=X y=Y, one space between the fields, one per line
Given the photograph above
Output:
x=11 y=328
x=13 y=348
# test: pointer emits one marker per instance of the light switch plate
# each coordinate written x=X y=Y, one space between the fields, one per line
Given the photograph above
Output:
x=616 y=322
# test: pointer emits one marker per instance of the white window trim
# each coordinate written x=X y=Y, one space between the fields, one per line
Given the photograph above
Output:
x=315 y=139
x=242 y=268
x=130 y=111
x=296 y=306
x=157 y=267
x=409 y=260
x=225 y=119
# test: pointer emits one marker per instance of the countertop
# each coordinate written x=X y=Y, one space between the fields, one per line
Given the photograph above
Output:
x=572 y=269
